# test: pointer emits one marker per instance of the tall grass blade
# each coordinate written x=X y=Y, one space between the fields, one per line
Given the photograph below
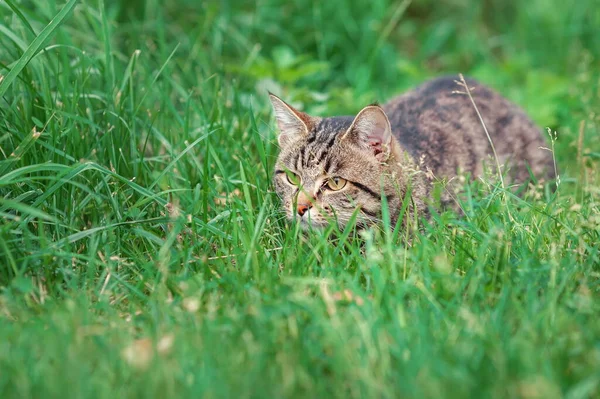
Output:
x=36 y=45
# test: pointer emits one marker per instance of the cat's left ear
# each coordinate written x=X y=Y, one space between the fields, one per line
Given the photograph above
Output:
x=371 y=130
x=291 y=122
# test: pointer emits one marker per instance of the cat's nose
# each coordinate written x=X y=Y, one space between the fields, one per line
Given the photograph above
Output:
x=304 y=203
x=303 y=208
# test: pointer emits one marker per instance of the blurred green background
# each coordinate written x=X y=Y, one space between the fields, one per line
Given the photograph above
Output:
x=335 y=56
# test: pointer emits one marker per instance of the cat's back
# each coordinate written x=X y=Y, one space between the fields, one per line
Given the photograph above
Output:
x=438 y=125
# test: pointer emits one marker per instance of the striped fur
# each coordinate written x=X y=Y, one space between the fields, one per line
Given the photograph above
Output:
x=435 y=135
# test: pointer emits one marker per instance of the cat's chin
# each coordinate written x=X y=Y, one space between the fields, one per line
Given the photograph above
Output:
x=308 y=224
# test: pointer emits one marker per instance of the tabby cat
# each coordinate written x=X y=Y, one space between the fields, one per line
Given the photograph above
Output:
x=337 y=168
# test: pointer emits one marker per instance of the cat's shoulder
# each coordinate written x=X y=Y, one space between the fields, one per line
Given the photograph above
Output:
x=448 y=85
x=443 y=90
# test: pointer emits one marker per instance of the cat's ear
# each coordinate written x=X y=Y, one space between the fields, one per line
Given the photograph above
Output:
x=291 y=122
x=371 y=129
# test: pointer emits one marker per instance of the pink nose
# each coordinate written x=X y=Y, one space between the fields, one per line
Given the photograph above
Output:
x=303 y=208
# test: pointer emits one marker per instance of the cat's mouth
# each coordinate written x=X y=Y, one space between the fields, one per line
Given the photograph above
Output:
x=309 y=220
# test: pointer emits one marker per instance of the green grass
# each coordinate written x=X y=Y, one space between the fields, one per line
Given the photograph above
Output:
x=142 y=253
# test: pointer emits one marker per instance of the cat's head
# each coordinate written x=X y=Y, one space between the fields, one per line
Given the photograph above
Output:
x=328 y=169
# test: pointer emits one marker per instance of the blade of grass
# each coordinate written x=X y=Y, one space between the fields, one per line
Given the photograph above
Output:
x=31 y=211
x=162 y=68
x=110 y=67
x=20 y=15
x=20 y=150
x=86 y=233
x=178 y=157
x=36 y=45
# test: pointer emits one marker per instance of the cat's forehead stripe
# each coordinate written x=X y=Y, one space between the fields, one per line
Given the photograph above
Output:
x=327 y=164
x=298 y=162
x=321 y=139
x=306 y=151
x=331 y=140
x=316 y=148
x=335 y=124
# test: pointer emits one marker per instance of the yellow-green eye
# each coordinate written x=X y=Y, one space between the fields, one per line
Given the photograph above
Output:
x=336 y=183
x=292 y=178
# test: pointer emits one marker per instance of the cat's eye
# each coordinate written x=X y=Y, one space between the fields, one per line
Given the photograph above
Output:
x=336 y=183
x=292 y=178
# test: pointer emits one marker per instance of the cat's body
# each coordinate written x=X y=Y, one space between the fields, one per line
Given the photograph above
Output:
x=438 y=122
x=330 y=167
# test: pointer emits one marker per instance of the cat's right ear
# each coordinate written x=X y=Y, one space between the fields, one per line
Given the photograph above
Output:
x=371 y=130
x=291 y=122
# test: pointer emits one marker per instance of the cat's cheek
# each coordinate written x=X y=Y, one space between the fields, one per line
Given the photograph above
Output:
x=289 y=210
x=327 y=209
